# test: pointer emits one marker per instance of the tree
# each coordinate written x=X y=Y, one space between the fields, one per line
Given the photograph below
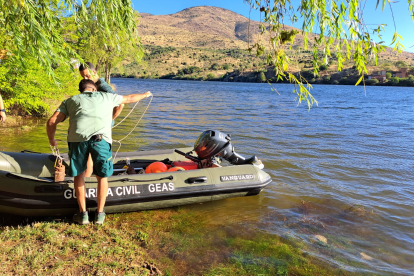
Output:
x=395 y=80
x=94 y=46
x=32 y=27
x=261 y=77
x=401 y=64
x=341 y=30
x=388 y=75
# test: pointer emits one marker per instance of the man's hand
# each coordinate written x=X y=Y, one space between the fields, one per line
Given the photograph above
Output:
x=148 y=94
x=53 y=143
x=51 y=126
x=3 y=116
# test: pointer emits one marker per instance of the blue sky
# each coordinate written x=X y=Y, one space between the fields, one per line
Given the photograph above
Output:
x=403 y=20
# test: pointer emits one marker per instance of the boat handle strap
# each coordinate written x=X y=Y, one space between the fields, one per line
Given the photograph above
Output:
x=197 y=179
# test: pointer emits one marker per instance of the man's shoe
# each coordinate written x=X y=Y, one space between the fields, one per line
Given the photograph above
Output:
x=81 y=218
x=99 y=218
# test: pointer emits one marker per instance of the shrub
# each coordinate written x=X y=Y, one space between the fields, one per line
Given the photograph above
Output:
x=215 y=66
x=400 y=64
x=323 y=67
x=211 y=76
x=307 y=74
x=388 y=75
x=326 y=80
x=261 y=77
x=226 y=66
x=343 y=80
x=395 y=80
x=371 y=82
x=406 y=81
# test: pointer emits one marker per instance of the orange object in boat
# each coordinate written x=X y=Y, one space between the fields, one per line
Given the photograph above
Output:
x=187 y=165
x=156 y=167
x=175 y=169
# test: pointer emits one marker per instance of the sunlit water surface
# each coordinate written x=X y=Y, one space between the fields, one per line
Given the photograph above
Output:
x=343 y=169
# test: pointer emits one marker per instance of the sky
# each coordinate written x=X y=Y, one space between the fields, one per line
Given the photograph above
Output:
x=403 y=20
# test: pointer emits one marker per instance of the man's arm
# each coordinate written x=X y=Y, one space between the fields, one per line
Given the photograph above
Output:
x=133 y=98
x=117 y=111
x=2 y=112
x=51 y=126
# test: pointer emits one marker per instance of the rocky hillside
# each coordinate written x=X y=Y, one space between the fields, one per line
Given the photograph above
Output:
x=212 y=40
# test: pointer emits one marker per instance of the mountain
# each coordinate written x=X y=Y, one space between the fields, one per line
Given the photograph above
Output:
x=213 y=40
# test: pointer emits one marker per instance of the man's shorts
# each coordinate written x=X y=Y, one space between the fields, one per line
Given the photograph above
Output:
x=101 y=153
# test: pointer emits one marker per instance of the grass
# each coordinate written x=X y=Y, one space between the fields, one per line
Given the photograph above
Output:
x=172 y=242
x=58 y=248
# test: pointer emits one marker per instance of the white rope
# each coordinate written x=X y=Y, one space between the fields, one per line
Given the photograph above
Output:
x=127 y=115
x=119 y=141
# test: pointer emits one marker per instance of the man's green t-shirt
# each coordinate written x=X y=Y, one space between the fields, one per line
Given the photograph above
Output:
x=103 y=86
x=90 y=113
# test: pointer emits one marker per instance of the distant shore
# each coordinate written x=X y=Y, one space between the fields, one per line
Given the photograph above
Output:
x=345 y=77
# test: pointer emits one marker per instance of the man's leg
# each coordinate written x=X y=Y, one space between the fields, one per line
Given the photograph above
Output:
x=78 y=155
x=89 y=166
x=80 y=191
x=102 y=192
x=101 y=152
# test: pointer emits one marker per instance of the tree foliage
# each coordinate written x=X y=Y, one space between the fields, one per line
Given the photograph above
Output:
x=94 y=45
x=31 y=28
x=341 y=32
x=29 y=91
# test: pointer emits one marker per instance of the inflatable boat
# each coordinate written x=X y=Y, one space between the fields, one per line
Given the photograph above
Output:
x=209 y=171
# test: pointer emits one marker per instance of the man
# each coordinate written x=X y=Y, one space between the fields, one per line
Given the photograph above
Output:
x=3 y=116
x=88 y=72
x=90 y=116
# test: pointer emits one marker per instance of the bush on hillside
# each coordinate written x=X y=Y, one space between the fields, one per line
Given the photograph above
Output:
x=401 y=64
x=307 y=74
x=326 y=79
x=343 y=80
x=323 y=67
x=211 y=76
x=215 y=66
x=189 y=70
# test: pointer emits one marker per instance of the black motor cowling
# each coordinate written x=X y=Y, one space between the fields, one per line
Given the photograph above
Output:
x=213 y=143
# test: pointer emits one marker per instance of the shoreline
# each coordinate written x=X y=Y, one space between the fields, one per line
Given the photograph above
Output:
x=246 y=80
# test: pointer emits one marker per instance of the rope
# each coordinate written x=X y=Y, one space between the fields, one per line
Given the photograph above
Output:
x=135 y=105
x=119 y=141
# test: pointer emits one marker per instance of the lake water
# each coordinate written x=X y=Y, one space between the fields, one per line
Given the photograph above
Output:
x=343 y=169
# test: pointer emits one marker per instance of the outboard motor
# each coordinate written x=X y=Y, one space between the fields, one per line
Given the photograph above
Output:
x=212 y=145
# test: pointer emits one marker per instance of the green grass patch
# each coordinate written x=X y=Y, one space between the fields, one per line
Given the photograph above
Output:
x=173 y=241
